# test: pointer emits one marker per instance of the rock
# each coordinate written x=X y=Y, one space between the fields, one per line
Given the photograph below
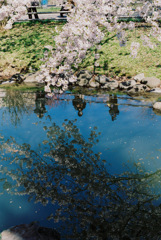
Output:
x=156 y=90
x=103 y=79
x=138 y=88
x=139 y=77
x=17 y=78
x=97 y=79
x=127 y=84
x=7 y=82
x=110 y=85
x=31 y=78
x=83 y=78
x=93 y=83
x=157 y=106
x=84 y=74
x=151 y=82
x=30 y=232
x=83 y=82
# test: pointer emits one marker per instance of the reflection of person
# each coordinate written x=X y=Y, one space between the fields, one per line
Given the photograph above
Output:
x=67 y=6
x=33 y=9
x=79 y=104
x=40 y=104
x=112 y=103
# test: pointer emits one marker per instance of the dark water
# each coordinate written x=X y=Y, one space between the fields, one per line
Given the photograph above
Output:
x=89 y=166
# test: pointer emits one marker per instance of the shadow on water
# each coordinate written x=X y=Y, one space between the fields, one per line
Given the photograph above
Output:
x=113 y=106
x=92 y=203
x=79 y=104
x=16 y=104
x=40 y=101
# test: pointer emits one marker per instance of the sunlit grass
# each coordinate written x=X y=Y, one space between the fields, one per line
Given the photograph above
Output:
x=22 y=48
x=117 y=61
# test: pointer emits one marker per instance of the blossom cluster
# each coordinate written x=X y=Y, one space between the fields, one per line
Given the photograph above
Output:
x=12 y=10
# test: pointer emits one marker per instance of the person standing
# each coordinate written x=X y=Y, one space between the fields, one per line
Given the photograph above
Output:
x=34 y=4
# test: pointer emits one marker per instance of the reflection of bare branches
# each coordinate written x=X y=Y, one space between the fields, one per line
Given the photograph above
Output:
x=16 y=104
x=92 y=203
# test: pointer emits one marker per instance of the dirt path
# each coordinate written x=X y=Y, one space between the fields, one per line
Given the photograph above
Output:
x=52 y=16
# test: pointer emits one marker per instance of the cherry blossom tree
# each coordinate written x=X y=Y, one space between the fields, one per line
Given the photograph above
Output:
x=83 y=30
x=12 y=10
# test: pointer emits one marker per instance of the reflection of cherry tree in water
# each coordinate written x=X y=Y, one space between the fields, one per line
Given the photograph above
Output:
x=113 y=105
x=92 y=203
x=79 y=104
x=57 y=100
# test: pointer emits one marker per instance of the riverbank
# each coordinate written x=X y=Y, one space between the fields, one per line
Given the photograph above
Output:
x=22 y=49
x=87 y=83
x=138 y=84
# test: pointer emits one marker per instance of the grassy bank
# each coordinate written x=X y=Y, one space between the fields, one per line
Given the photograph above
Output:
x=22 y=48
x=117 y=61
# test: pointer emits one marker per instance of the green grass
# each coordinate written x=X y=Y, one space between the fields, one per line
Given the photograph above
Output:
x=117 y=61
x=22 y=48
x=49 y=9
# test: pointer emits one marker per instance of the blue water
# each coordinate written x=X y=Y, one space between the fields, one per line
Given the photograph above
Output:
x=57 y=165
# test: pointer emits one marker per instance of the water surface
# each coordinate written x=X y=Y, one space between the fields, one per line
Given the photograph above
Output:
x=87 y=165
